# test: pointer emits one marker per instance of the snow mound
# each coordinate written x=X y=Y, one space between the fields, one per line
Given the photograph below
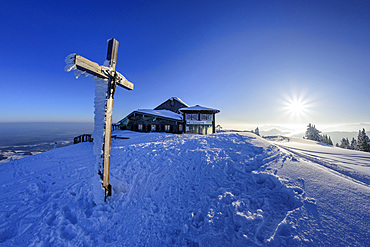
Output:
x=199 y=190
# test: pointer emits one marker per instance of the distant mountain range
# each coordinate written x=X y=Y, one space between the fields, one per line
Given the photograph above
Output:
x=274 y=132
x=336 y=133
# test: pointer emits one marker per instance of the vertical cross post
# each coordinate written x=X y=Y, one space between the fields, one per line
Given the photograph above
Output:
x=112 y=58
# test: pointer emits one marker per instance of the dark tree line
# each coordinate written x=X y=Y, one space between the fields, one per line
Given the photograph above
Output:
x=362 y=143
x=314 y=134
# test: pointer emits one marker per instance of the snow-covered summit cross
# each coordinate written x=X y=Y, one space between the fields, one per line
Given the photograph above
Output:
x=87 y=67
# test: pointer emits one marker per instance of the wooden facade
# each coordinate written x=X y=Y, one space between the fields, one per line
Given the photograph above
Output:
x=141 y=121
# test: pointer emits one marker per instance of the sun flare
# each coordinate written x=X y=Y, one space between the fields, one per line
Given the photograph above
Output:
x=296 y=105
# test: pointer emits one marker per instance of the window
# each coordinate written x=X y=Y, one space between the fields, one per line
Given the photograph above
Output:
x=200 y=129
x=192 y=129
x=153 y=127
x=189 y=116
x=180 y=127
x=167 y=128
x=206 y=117
x=140 y=127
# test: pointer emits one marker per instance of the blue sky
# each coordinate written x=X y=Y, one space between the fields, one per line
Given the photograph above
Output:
x=259 y=62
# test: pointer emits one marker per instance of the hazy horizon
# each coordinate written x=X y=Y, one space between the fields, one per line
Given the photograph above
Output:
x=7 y=128
x=29 y=133
x=20 y=139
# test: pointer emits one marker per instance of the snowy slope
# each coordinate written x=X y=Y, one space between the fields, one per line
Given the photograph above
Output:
x=354 y=164
x=227 y=189
x=337 y=180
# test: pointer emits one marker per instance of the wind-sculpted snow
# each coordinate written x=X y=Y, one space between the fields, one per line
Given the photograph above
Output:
x=168 y=190
x=200 y=190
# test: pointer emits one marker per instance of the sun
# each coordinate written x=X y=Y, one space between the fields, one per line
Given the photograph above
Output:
x=296 y=105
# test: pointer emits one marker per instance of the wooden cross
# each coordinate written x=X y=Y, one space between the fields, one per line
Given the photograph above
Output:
x=114 y=79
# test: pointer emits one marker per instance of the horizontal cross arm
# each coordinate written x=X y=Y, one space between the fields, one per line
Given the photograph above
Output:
x=123 y=82
x=90 y=67
x=102 y=72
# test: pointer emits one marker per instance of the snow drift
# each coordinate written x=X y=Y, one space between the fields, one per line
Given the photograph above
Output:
x=230 y=189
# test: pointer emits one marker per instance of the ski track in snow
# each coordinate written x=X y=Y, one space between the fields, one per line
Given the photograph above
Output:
x=168 y=190
x=354 y=165
x=337 y=205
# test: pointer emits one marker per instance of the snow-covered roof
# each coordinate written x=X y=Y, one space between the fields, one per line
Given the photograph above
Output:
x=199 y=108
x=178 y=99
x=161 y=113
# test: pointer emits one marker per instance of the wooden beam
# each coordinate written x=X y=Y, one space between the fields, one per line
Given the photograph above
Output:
x=90 y=67
x=107 y=139
x=112 y=58
x=123 y=82
x=112 y=53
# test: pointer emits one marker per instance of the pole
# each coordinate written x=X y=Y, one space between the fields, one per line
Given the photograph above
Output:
x=107 y=137
x=112 y=57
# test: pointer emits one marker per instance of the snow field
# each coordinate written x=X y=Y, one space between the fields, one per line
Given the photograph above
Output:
x=229 y=189
x=350 y=163
x=337 y=205
x=44 y=196
x=192 y=191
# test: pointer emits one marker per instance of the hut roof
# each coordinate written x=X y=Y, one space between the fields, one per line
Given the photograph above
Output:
x=160 y=113
x=199 y=108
